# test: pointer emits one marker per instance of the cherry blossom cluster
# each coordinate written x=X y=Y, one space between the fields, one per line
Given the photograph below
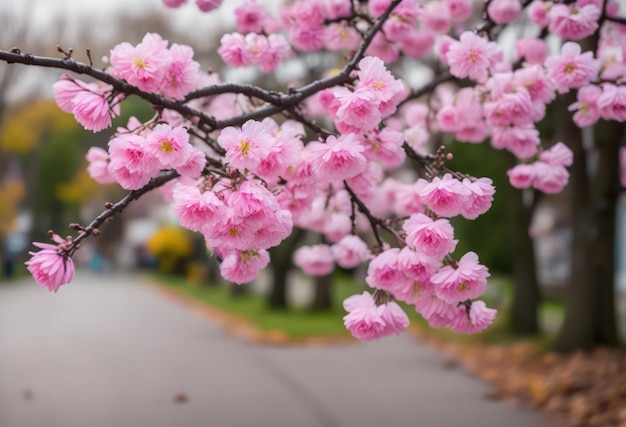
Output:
x=353 y=156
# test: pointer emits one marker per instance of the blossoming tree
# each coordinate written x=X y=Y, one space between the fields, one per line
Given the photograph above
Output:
x=244 y=165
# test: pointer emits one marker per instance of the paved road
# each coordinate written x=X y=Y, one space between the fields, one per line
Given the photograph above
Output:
x=106 y=352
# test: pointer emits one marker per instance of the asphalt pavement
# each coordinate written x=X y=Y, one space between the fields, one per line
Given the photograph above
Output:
x=109 y=351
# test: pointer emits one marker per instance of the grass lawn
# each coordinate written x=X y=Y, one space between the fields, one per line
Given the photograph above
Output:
x=297 y=324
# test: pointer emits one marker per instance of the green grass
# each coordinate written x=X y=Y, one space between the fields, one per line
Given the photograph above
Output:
x=299 y=324
x=296 y=323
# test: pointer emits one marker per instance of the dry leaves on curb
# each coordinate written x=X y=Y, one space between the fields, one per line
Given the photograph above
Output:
x=583 y=389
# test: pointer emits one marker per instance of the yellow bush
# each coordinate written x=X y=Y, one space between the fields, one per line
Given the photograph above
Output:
x=172 y=248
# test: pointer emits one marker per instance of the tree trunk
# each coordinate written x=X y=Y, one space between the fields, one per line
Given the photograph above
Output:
x=526 y=295
x=281 y=265
x=590 y=313
x=323 y=299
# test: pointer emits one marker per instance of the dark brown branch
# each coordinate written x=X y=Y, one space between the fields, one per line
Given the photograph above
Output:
x=118 y=84
x=119 y=207
x=248 y=90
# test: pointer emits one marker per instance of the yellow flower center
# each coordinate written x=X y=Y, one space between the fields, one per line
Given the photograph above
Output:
x=378 y=85
x=166 y=146
x=139 y=63
x=244 y=147
x=472 y=56
x=570 y=68
x=463 y=287
x=234 y=232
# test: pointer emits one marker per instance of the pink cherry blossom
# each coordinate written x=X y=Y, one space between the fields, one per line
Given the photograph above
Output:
x=538 y=12
x=181 y=73
x=376 y=79
x=195 y=210
x=531 y=49
x=245 y=148
x=233 y=50
x=521 y=176
x=504 y=11
x=445 y=196
x=50 y=267
x=193 y=166
x=251 y=17
x=435 y=16
x=573 y=21
x=480 y=199
x=523 y=141
x=395 y=318
x=474 y=321
x=571 y=69
x=98 y=168
x=170 y=146
x=242 y=267
x=384 y=272
x=466 y=280
x=416 y=265
x=550 y=178
x=428 y=237
x=208 y=5
x=612 y=102
x=363 y=320
x=558 y=155
x=358 y=109
x=460 y=10
x=316 y=260
x=350 y=251
x=587 y=112
x=143 y=65
x=471 y=57
x=418 y=43
x=339 y=158
x=339 y=35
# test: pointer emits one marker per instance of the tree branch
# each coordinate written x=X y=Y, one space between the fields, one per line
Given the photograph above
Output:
x=119 y=207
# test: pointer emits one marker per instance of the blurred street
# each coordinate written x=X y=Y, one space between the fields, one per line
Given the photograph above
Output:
x=108 y=351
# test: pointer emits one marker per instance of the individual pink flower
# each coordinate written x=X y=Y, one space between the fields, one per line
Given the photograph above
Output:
x=358 y=109
x=445 y=196
x=51 y=267
x=612 y=102
x=276 y=50
x=174 y=3
x=98 y=168
x=316 y=260
x=339 y=35
x=587 y=112
x=523 y=141
x=66 y=88
x=428 y=237
x=538 y=12
x=473 y=321
x=143 y=65
x=471 y=57
x=251 y=17
x=510 y=108
x=350 y=251
x=504 y=11
x=245 y=148
x=194 y=165
x=196 y=211
x=242 y=267
x=418 y=43
x=208 y=5
x=395 y=318
x=364 y=319
x=571 y=69
x=435 y=16
x=307 y=37
x=170 y=146
x=531 y=49
x=573 y=21
x=558 y=155
x=376 y=79
x=550 y=178
x=466 y=280
x=437 y=312
x=131 y=165
x=384 y=272
x=339 y=158
x=460 y=10
x=521 y=176
x=533 y=78
x=333 y=9
x=92 y=110
x=416 y=265
x=181 y=74
x=233 y=50
x=480 y=199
